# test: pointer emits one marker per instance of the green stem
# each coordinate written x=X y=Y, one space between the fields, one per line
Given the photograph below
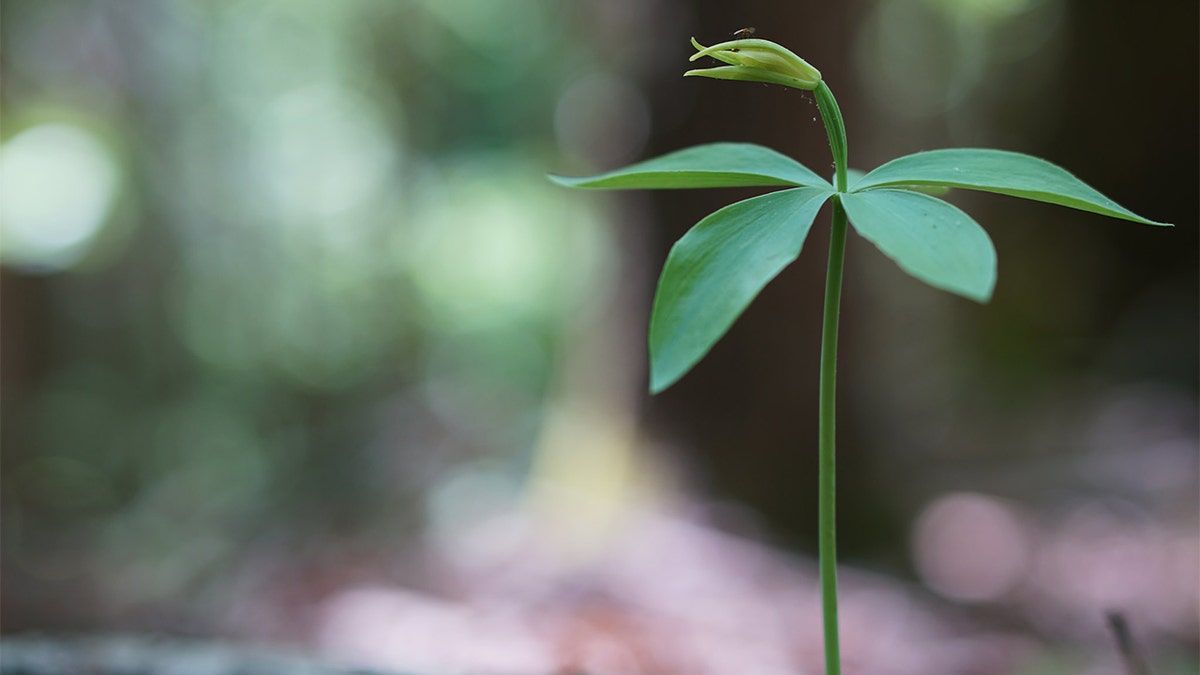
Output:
x=827 y=493
x=831 y=115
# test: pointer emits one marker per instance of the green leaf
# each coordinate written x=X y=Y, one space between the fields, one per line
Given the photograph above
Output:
x=715 y=270
x=854 y=175
x=930 y=239
x=705 y=166
x=1008 y=173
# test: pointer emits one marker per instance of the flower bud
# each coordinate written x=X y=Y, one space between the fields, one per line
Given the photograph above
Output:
x=756 y=60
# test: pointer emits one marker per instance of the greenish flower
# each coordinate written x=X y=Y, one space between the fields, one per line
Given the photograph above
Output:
x=756 y=60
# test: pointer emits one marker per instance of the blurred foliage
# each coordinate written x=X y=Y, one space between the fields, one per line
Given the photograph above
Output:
x=284 y=288
x=273 y=269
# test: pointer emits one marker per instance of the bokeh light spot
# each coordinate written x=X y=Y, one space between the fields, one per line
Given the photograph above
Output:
x=321 y=151
x=492 y=246
x=970 y=547
x=59 y=182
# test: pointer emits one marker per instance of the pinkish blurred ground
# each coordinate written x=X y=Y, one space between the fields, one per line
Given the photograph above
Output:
x=670 y=596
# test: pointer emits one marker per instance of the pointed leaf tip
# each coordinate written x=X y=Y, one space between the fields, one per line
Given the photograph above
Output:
x=1000 y=171
x=705 y=166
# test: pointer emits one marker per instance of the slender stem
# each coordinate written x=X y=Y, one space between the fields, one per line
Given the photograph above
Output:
x=831 y=115
x=827 y=493
x=1130 y=655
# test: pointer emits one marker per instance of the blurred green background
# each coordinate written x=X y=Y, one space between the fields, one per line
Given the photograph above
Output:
x=286 y=294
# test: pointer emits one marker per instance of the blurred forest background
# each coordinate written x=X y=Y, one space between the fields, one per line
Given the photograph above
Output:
x=301 y=348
